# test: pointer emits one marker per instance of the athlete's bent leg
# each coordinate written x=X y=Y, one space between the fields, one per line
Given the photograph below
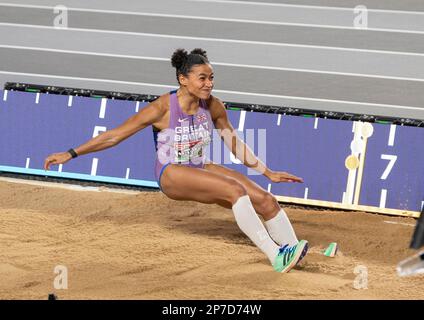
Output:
x=275 y=218
x=263 y=201
x=185 y=183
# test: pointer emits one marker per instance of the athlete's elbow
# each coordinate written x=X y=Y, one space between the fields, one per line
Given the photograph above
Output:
x=114 y=140
x=119 y=136
x=111 y=138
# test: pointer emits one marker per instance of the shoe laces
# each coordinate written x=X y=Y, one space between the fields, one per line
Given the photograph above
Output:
x=286 y=249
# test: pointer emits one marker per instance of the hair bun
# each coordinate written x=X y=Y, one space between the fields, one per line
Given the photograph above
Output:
x=199 y=51
x=179 y=57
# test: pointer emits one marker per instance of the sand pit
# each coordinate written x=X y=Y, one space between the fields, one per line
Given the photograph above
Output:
x=145 y=246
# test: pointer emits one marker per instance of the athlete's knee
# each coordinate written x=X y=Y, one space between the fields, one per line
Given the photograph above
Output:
x=235 y=190
x=267 y=205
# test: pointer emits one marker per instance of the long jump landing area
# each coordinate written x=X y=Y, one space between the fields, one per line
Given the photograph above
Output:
x=142 y=245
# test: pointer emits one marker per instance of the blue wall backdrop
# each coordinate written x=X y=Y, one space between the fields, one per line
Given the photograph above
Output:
x=33 y=126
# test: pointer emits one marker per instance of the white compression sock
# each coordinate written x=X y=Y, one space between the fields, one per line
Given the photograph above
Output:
x=249 y=222
x=281 y=230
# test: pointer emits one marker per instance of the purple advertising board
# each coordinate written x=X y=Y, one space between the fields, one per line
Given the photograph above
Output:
x=390 y=174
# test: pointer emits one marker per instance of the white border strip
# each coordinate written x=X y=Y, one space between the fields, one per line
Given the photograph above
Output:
x=180 y=16
x=159 y=35
x=103 y=108
x=401 y=223
x=383 y=198
x=392 y=135
x=393 y=106
x=235 y=65
x=72 y=187
x=94 y=164
x=301 y=6
x=305 y=196
x=242 y=120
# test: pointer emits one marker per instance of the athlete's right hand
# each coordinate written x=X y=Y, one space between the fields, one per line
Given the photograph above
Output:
x=57 y=158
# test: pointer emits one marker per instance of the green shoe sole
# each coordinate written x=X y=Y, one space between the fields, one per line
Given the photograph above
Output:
x=299 y=253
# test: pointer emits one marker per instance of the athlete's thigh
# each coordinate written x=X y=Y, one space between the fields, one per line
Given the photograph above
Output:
x=193 y=184
x=255 y=191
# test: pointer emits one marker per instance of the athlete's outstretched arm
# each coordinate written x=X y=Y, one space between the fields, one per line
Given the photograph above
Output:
x=240 y=149
x=145 y=117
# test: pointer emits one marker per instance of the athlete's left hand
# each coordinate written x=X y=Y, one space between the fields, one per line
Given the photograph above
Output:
x=279 y=176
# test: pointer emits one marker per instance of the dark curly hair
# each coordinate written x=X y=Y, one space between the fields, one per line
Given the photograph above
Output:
x=182 y=61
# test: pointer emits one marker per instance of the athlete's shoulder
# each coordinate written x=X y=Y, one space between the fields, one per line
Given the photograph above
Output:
x=216 y=107
x=215 y=102
x=162 y=102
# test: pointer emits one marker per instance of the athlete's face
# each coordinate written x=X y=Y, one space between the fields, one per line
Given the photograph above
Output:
x=199 y=81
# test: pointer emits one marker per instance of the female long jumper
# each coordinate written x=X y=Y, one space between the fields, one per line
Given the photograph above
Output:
x=182 y=122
